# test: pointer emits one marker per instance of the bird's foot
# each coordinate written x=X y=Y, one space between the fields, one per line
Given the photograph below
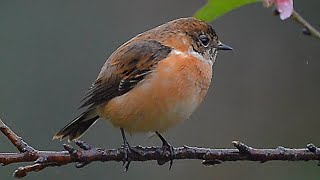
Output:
x=127 y=155
x=166 y=147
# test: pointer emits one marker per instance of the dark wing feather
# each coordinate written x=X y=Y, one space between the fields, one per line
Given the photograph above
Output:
x=128 y=66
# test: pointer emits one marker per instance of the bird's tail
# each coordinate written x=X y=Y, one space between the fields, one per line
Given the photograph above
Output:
x=76 y=128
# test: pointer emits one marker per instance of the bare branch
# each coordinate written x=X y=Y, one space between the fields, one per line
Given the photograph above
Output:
x=15 y=139
x=86 y=154
x=308 y=28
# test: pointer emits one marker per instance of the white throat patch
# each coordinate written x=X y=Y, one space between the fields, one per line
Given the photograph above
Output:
x=194 y=54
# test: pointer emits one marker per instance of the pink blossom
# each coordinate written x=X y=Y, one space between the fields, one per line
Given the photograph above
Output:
x=285 y=7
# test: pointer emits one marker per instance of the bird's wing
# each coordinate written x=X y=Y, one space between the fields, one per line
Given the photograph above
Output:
x=124 y=69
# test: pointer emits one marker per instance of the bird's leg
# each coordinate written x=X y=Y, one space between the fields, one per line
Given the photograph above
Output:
x=127 y=150
x=166 y=147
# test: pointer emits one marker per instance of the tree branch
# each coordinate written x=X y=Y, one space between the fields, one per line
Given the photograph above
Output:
x=308 y=28
x=86 y=154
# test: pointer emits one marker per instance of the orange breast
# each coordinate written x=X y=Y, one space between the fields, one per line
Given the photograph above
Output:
x=166 y=97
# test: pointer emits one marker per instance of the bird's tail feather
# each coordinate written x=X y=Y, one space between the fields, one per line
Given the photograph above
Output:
x=75 y=129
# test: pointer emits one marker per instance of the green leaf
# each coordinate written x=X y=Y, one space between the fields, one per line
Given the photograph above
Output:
x=215 y=8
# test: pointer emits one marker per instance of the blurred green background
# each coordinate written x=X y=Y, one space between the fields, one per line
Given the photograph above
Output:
x=266 y=92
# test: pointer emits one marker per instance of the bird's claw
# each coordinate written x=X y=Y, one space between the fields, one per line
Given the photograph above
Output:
x=127 y=156
x=167 y=147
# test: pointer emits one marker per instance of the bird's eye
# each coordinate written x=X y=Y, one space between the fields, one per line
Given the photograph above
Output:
x=204 y=40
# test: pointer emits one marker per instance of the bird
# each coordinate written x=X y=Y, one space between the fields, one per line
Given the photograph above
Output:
x=152 y=82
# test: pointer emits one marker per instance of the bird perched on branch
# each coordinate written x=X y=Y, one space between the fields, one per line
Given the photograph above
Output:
x=152 y=82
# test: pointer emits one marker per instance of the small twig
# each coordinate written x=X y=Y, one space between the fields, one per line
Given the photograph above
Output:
x=308 y=28
x=243 y=149
x=24 y=170
x=15 y=139
x=87 y=154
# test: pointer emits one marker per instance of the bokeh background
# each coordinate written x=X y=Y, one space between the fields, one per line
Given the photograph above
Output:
x=266 y=92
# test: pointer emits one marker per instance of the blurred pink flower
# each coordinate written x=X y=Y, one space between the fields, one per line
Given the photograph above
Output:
x=285 y=7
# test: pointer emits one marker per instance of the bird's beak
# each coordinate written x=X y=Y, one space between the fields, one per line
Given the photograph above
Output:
x=224 y=47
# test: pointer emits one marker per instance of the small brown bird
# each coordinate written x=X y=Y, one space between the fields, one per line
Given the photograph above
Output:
x=152 y=82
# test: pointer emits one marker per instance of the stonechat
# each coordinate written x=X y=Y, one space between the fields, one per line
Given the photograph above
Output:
x=152 y=82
